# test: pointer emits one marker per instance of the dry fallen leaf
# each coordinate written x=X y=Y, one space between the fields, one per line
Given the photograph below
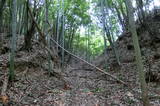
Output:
x=4 y=99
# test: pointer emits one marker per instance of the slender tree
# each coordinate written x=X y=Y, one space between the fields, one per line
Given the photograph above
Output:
x=107 y=32
x=1 y=42
x=21 y=14
x=105 y=52
x=63 y=34
x=2 y=3
x=57 y=23
x=141 y=13
x=137 y=53
x=88 y=44
x=13 y=40
x=47 y=35
x=30 y=28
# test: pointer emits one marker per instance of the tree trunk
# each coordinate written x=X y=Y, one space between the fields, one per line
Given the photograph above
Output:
x=28 y=37
x=108 y=34
x=13 y=40
x=1 y=43
x=120 y=18
x=30 y=32
x=2 y=3
x=63 y=40
x=57 y=25
x=138 y=54
x=47 y=35
x=140 y=10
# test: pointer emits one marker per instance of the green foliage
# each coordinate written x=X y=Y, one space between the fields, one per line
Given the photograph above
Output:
x=96 y=44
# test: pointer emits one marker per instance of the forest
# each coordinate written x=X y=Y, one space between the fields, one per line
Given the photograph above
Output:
x=79 y=52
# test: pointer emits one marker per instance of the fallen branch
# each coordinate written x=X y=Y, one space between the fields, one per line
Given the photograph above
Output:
x=114 y=77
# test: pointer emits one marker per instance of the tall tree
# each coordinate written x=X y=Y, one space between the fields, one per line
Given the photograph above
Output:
x=107 y=31
x=47 y=34
x=141 y=13
x=137 y=53
x=63 y=34
x=88 y=43
x=30 y=27
x=13 y=40
x=1 y=42
x=2 y=3
x=57 y=23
